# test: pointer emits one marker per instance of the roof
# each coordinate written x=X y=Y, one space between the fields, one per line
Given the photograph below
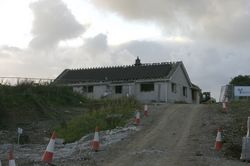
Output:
x=195 y=87
x=118 y=73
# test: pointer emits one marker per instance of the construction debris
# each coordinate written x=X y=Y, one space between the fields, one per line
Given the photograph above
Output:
x=245 y=154
x=79 y=150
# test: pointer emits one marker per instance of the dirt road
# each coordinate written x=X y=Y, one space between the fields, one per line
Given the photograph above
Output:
x=173 y=135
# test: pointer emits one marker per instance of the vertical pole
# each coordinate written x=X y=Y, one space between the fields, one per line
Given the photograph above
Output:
x=18 y=138
x=248 y=127
x=159 y=93
x=19 y=132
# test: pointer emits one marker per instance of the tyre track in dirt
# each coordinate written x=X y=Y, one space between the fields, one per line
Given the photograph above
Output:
x=170 y=136
x=162 y=141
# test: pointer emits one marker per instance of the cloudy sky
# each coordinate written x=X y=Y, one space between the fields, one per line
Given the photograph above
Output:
x=40 y=38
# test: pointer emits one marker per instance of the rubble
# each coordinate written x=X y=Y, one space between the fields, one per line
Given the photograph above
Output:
x=79 y=150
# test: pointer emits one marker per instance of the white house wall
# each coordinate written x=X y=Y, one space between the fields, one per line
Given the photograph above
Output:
x=180 y=80
x=78 y=89
x=132 y=89
x=125 y=90
x=158 y=95
x=98 y=92
x=162 y=89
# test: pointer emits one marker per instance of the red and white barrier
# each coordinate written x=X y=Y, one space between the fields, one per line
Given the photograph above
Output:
x=137 y=118
x=11 y=157
x=96 y=141
x=218 y=141
x=49 y=152
x=225 y=105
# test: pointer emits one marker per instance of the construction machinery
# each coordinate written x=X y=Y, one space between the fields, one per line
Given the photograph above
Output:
x=206 y=98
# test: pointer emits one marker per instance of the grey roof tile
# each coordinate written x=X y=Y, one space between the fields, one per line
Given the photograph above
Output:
x=117 y=73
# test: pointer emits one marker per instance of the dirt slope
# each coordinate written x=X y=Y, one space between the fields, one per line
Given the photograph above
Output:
x=173 y=135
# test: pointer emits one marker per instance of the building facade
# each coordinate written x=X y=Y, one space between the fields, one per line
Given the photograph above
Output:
x=154 y=82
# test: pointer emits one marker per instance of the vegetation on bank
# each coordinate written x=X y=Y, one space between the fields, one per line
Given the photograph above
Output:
x=48 y=107
x=111 y=114
x=29 y=102
x=235 y=128
x=32 y=96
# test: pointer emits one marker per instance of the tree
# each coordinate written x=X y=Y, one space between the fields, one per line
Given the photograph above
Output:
x=240 y=80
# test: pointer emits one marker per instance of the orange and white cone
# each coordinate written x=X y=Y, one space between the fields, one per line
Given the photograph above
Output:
x=49 y=152
x=137 y=118
x=224 y=106
x=11 y=157
x=146 y=110
x=218 y=141
x=96 y=141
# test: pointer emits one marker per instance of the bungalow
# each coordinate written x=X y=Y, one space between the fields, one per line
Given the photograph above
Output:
x=154 y=82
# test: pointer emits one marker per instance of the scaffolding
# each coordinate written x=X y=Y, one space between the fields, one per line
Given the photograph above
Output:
x=226 y=93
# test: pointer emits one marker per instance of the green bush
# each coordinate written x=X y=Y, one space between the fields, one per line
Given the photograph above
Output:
x=31 y=102
x=113 y=113
x=29 y=96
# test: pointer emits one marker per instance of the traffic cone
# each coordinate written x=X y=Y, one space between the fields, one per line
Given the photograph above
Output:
x=49 y=152
x=218 y=141
x=137 y=118
x=146 y=110
x=11 y=157
x=224 y=106
x=96 y=140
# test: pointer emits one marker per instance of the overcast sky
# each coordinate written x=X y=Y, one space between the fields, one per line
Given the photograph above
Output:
x=40 y=38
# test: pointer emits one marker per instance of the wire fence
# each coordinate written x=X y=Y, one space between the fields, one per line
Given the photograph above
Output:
x=12 y=81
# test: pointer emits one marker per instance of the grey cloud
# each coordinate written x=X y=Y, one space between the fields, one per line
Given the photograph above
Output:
x=219 y=20
x=209 y=65
x=219 y=30
x=95 y=52
x=96 y=45
x=53 y=22
x=140 y=9
x=163 y=51
x=7 y=51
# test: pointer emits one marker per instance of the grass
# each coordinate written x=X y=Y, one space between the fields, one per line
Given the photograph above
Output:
x=29 y=102
x=28 y=95
x=29 y=105
x=236 y=128
x=111 y=114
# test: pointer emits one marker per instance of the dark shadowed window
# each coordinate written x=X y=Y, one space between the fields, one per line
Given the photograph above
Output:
x=118 y=89
x=147 y=87
x=90 y=89
x=184 y=91
x=84 y=89
x=173 y=87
